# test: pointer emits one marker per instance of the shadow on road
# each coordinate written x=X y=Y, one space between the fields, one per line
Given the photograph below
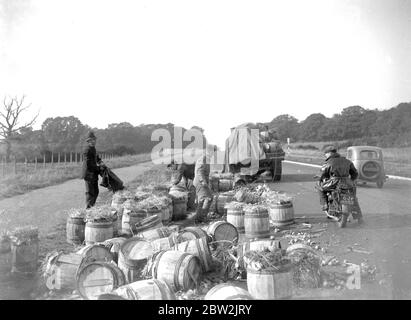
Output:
x=298 y=178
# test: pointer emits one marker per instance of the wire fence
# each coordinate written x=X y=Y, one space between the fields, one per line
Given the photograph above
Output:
x=32 y=165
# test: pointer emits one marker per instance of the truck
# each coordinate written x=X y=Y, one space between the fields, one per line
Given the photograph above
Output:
x=247 y=145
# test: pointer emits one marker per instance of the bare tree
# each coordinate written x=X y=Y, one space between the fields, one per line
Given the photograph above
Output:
x=10 y=116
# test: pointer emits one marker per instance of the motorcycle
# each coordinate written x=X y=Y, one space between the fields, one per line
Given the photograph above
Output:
x=340 y=204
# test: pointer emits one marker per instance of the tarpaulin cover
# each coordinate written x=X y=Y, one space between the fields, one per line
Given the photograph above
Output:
x=243 y=145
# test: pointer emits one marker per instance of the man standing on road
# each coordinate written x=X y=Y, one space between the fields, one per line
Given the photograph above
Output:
x=91 y=170
x=335 y=170
x=201 y=183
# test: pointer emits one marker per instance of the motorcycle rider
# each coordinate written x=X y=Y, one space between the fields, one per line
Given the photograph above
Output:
x=337 y=170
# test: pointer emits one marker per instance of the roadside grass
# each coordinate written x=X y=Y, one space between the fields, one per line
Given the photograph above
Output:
x=21 y=183
x=157 y=175
x=397 y=161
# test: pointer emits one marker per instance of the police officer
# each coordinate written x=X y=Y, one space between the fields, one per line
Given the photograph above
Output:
x=335 y=170
x=91 y=169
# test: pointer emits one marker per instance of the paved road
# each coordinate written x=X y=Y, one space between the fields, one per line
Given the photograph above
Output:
x=387 y=232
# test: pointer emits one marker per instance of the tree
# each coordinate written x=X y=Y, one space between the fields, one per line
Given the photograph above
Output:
x=62 y=134
x=310 y=127
x=10 y=116
x=350 y=120
x=286 y=126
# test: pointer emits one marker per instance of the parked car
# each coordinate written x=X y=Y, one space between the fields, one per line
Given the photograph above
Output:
x=369 y=162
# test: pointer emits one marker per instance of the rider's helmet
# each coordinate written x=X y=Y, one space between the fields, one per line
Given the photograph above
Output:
x=330 y=149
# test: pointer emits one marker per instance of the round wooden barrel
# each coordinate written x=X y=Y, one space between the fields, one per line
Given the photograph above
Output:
x=281 y=214
x=5 y=262
x=95 y=252
x=118 y=205
x=156 y=233
x=133 y=257
x=198 y=248
x=5 y=245
x=164 y=243
x=152 y=289
x=129 y=220
x=256 y=222
x=61 y=271
x=225 y=185
x=180 y=270
x=114 y=246
x=98 y=278
x=225 y=291
x=165 y=215
x=235 y=216
x=191 y=233
x=75 y=228
x=110 y=296
x=222 y=200
x=24 y=256
x=223 y=231
x=98 y=232
x=270 y=285
x=179 y=209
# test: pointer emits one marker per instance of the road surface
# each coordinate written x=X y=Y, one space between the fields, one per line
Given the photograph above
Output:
x=387 y=232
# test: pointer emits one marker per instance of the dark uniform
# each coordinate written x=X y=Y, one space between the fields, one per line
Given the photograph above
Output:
x=335 y=170
x=90 y=172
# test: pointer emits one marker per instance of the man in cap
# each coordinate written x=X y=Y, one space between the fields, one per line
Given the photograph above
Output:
x=201 y=183
x=335 y=170
x=91 y=169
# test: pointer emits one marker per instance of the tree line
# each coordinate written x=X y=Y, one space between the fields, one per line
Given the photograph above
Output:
x=67 y=134
x=383 y=128
x=353 y=124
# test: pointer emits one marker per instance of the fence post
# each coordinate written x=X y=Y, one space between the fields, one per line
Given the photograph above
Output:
x=44 y=161
x=71 y=157
x=58 y=159
x=65 y=160
x=25 y=172
x=3 y=160
x=35 y=163
x=15 y=165
x=52 y=159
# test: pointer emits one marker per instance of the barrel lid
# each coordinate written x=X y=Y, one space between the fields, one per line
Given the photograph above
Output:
x=136 y=249
x=92 y=280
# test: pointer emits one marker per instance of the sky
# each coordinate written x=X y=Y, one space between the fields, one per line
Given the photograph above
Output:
x=214 y=64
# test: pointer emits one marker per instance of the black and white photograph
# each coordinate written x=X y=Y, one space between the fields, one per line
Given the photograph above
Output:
x=200 y=152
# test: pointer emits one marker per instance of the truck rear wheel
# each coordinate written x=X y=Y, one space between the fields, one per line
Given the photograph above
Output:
x=277 y=171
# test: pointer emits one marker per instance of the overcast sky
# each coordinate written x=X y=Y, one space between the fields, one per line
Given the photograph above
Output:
x=209 y=63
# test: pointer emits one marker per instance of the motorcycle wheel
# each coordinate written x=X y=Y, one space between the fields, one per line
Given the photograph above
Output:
x=344 y=216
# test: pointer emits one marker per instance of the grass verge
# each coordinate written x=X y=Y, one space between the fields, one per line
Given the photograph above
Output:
x=21 y=183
